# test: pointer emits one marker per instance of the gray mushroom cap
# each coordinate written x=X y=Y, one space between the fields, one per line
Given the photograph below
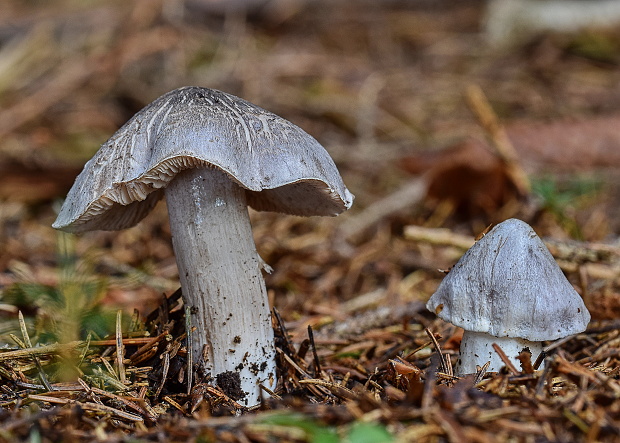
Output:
x=282 y=168
x=509 y=285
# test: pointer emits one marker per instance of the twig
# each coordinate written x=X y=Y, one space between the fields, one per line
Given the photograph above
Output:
x=600 y=260
x=58 y=387
x=581 y=252
x=168 y=303
x=18 y=341
x=438 y=236
x=108 y=377
x=59 y=348
x=404 y=197
x=525 y=358
x=40 y=350
x=481 y=107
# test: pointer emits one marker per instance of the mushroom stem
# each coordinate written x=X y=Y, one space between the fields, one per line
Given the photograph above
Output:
x=221 y=279
x=477 y=349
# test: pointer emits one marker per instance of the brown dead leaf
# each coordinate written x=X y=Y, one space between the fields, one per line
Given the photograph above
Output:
x=468 y=174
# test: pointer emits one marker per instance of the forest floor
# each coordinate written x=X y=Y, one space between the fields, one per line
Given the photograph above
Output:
x=437 y=129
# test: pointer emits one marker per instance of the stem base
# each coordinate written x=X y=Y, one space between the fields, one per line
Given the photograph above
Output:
x=477 y=349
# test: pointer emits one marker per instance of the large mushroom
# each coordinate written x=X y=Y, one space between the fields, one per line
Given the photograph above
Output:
x=212 y=154
x=507 y=289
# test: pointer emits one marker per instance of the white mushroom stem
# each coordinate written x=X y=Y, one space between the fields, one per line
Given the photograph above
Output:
x=477 y=349
x=221 y=279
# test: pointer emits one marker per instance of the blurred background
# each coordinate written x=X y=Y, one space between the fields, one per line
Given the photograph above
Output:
x=416 y=101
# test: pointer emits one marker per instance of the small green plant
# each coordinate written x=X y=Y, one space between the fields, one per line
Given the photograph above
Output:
x=62 y=313
x=313 y=431
x=68 y=311
x=561 y=198
x=597 y=46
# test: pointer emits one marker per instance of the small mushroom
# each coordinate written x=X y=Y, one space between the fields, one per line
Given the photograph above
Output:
x=507 y=289
x=212 y=154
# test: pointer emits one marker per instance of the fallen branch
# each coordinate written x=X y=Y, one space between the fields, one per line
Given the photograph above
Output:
x=598 y=259
x=404 y=197
x=498 y=138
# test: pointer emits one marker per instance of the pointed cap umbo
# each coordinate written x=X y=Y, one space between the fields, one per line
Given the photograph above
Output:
x=509 y=285
x=281 y=167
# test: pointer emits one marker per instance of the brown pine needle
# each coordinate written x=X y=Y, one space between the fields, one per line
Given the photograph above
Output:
x=505 y=359
x=481 y=373
x=270 y=392
x=28 y=343
x=136 y=407
x=126 y=341
x=164 y=375
x=290 y=361
x=22 y=327
x=95 y=407
x=120 y=349
x=190 y=352
x=315 y=356
x=110 y=369
x=334 y=388
x=175 y=404
x=18 y=341
x=146 y=347
x=443 y=364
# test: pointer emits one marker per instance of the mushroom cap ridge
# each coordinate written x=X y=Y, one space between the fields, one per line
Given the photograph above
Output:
x=509 y=285
x=282 y=168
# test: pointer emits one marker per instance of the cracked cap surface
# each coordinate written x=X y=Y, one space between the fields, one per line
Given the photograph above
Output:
x=282 y=168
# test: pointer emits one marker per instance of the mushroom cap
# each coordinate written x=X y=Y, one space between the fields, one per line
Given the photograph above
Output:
x=282 y=168
x=509 y=285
